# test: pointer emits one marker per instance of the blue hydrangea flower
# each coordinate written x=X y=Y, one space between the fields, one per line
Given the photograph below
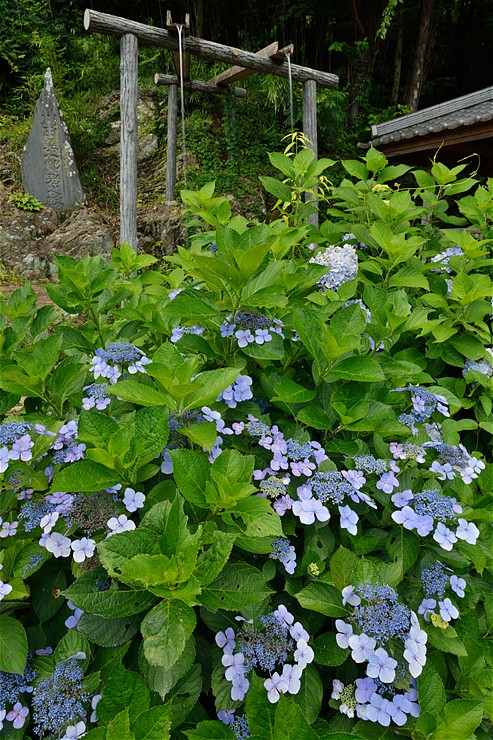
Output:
x=283 y=551
x=111 y=362
x=59 y=699
x=342 y=263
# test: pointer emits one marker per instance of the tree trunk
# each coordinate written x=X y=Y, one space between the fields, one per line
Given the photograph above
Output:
x=420 y=54
x=394 y=96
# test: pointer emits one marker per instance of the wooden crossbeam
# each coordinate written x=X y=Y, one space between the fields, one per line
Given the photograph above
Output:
x=233 y=74
x=199 y=86
x=97 y=22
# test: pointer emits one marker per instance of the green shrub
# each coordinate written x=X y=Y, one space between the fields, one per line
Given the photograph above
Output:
x=257 y=486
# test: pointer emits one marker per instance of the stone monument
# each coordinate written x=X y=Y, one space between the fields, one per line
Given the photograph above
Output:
x=49 y=171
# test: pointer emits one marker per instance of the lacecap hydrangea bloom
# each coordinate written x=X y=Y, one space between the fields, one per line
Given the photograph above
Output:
x=276 y=646
x=116 y=359
x=378 y=623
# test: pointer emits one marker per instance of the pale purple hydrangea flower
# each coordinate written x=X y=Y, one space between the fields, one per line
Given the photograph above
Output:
x=362 y=647
x=381 y=666
x=349 y=519
x=307 y=508
x=119 y=524
x=444 y=536
x=467 y=531
x=448 y=610
x=458 y=585
x=133 y=500
x=275 y=686
x=344 y=632
x=83 y=548
x=17 y=715
x=57 y=544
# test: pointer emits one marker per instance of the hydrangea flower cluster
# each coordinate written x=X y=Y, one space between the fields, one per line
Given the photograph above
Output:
x=250 y=327
x=454 y=459
x=366 y=699
x=431 y=511
x=480 y=366
x=300 y=458
x=435 y=580
x=293 y=459
x=97 y=397
x=179 y=332
x=240 y=390
x=444 y=259
x=424 y=404
x=378 y=624
x=12 y=688
x=342 y=263
x=117 y=359
x=58 y=700
x=16 y=442
x=283 y=551
x=269 y=646
x=238 y=725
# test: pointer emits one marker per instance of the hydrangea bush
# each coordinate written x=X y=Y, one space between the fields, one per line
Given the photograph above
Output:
x=250 y=496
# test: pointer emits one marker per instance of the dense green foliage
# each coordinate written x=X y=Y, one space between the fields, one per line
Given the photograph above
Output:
x=145 y=411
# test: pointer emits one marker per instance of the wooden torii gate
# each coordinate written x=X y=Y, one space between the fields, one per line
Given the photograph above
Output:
x=131 y=34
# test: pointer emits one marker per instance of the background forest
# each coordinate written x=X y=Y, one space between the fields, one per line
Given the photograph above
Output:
x=391 y=56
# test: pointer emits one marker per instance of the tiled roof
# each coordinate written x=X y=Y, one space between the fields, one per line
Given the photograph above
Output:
x=469 y=109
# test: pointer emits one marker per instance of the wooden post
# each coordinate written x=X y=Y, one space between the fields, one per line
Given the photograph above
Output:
x=310 y=129
x=171 y=149
x=129 y=47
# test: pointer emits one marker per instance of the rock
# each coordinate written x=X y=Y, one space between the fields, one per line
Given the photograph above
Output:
x=148 y=142
x=84 y=232
x=29 y=241
x=147 y=146
x=161 y=226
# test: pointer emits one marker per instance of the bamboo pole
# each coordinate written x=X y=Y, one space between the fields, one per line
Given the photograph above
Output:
x=112 y=25
x=128 y=155
x=171 y=148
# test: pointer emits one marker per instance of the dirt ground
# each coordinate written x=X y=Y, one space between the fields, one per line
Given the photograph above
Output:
x=39 y=288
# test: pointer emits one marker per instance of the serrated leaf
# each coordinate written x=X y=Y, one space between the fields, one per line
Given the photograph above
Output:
x=84 y=475
x=328 y=652
x=431 y=690
x=119 y=727
x=290 y=723
x=144 y=395
x=462 y=717
x=108 y=632
x=125 y=691
x=210 y=730
x=322 y=598
x=191 y=471
x=154 y=724
x=13 y=645
x=166 y=629
x=359 y=367
x=290 y=392
x=343 y=563
x=211 y=562
x=239 y=585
